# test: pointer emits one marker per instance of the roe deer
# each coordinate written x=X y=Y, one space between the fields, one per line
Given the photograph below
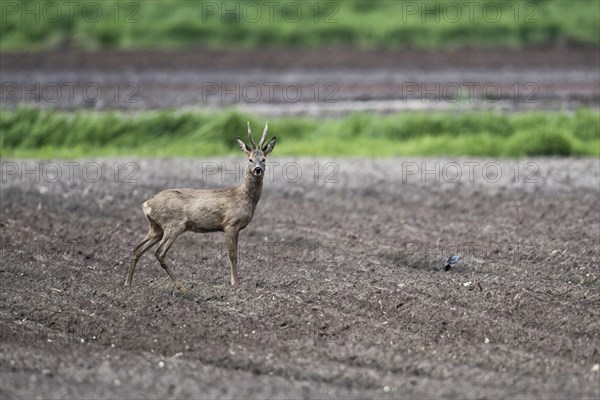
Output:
x=229 y=210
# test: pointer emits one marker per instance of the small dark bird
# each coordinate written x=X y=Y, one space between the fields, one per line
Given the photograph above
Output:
x=451 y=262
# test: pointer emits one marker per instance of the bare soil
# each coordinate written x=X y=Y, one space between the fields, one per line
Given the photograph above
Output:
x=314 y=82
x=342 y=293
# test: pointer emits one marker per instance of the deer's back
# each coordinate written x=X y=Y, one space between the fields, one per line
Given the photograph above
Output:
x=200 y=210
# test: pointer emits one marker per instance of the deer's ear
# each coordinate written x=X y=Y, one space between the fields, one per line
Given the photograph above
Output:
x=244 y=146
x=267 y=148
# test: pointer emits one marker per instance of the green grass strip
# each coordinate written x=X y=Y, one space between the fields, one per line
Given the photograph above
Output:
x=32 y=132
x=137 y=24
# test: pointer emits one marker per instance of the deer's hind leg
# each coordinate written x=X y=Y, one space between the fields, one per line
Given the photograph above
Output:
x=169 y=237
x=153 y=237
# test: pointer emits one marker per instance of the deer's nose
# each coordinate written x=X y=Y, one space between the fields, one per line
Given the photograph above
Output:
x=257 y=170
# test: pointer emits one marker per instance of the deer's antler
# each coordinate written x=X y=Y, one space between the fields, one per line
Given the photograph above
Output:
x=264 y=135
x=250 y=137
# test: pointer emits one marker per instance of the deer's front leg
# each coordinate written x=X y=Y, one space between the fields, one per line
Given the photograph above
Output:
x=231 y=238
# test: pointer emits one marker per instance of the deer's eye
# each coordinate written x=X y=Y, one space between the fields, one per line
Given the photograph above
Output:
x=251 y=160
x=263 y=160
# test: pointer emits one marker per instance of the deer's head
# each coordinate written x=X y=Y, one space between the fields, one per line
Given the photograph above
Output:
x=257 y=154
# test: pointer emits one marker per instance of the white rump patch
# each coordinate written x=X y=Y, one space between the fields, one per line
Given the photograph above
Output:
x=147 y=209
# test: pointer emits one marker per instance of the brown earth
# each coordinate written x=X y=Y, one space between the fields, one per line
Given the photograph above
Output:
x=342 y=293
x=272 y=59
x=314 y=82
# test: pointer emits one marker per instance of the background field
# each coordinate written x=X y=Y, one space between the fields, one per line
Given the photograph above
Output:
x=559 y=75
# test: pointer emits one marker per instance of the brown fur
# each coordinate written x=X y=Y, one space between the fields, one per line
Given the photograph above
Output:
x=229 y=210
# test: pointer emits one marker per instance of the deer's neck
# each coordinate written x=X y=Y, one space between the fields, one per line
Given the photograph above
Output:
x=252 y=187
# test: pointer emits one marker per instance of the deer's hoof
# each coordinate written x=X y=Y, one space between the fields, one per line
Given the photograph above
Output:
x=181 y=288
